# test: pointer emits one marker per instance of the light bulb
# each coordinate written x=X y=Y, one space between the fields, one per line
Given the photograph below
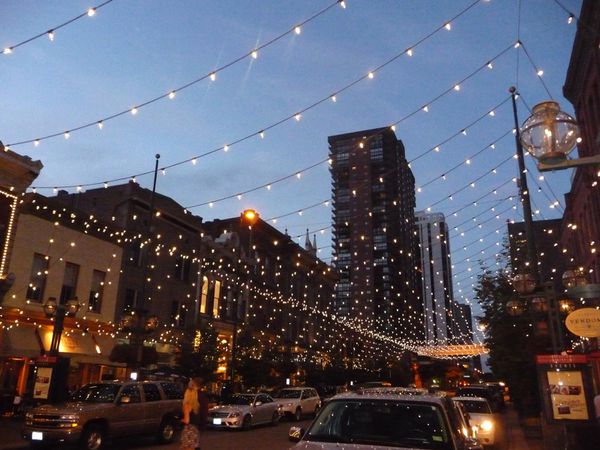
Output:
x=100 y=125
x=570 y=19
x=333 y=98
x=91 y=12
x=371 y=75
x=457 y=87
x=213 y=76
x=298 y=117
x=36 y=142
x=492 y=113
x=254 y=54
x=409 y=52
x=343 y=4
x=134 y=110
x=262 y=134
x=490 y=65
x=448 y=26
x=7 y=50
x=226 y=148
x=426 y=108
x=67 y=135
x=172 y=95
x=540 y=73
x=297 y=30
x=51 y=35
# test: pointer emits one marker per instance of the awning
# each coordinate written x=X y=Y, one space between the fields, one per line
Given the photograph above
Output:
x=19 y=341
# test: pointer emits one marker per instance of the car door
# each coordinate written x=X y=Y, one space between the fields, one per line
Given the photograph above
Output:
x=154 y=407
x=263 y=412
x=309 y=401
x=128 y=415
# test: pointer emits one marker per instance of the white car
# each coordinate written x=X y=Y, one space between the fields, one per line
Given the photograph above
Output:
x=481 y=418
x=297 y=401
x=244 y=411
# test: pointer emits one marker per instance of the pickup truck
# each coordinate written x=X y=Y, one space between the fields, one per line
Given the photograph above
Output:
x=108 y=409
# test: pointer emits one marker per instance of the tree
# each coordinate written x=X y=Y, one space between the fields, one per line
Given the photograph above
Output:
x=200 y=352
x=512 y=341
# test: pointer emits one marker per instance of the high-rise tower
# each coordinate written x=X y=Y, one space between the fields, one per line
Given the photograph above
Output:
x=374 y=234
x=436 y=268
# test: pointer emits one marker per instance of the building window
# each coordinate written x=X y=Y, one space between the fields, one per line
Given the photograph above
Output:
x=69 y=286
x=37 y=280
x=182 y=268
x=130 y=300
x=217 y=296
x=97 y=291
x=178 y=313
x=204 y=298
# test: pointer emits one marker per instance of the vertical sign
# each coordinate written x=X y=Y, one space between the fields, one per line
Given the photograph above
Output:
x=567 y=395
x=43 y=377
x=8 y=207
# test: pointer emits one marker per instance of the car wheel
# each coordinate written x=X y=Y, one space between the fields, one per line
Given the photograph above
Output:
x=297 y=414
x=275 y=418
x=166 y=432
x=92 y=438
x=247 y=423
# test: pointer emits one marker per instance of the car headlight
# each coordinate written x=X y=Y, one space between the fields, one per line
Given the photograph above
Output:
x=289 y=404
x=487 y=425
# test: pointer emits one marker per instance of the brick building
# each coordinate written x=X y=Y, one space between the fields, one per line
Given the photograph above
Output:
x=581 y=232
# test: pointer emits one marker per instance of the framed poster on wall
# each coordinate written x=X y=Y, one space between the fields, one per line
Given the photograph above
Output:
x=565 y=388
x=43 y=378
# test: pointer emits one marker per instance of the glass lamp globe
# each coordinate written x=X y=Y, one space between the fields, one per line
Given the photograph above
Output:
x=514 y=307
x=539 y=304
x=524 y=283
x=573 y=278
x=549 y=134
x=566 y=305
x=50 y=307
x=151 y=323
x=126 y=322
x=72 y=306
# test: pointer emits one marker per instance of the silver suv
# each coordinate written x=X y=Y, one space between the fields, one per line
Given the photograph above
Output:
x=99 y=411
x=296 y=401
x=389 y=419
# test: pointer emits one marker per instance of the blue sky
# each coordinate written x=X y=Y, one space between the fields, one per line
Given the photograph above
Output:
x=133 y=51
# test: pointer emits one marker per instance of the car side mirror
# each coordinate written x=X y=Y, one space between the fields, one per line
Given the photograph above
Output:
x=295 y=434
x=473 y=444
x=258 y=403
x=124 y=399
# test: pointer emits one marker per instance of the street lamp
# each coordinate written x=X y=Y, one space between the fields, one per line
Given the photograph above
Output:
x=58 y=311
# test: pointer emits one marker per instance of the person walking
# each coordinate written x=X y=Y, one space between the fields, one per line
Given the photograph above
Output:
x=195 y=411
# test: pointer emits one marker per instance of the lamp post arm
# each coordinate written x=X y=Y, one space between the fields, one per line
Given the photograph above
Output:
x=57 y=330
x=570 y=163
x=524 y=192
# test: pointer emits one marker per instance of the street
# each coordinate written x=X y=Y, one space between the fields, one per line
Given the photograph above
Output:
x=264 y=437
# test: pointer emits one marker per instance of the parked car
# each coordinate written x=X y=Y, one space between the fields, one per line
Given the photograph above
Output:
x=481 y=417
x=495 y=399
x=296 y=401
x=244 y=411
x=380 y=421
x=111 y=409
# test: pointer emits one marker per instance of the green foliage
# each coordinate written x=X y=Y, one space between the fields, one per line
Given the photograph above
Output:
x=200 y=352
x=512 y=340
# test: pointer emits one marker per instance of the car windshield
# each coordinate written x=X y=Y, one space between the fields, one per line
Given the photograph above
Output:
x=391 y=423
x=288 y=393
x=475 y=406
x=96 y=393
x=241 y=400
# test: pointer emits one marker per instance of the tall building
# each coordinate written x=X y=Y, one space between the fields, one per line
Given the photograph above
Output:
x=581 y=232
x=374 y=234
x=441 y=316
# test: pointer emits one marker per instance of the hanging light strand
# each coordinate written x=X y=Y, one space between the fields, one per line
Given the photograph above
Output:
x=51 y=32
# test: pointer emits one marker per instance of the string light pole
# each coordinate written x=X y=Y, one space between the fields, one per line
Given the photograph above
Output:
x=138 y=323
x=58 y=312
x=248 y=219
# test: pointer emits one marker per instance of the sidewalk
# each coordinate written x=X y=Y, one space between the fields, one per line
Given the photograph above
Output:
x=10 y=433
x=514 y=436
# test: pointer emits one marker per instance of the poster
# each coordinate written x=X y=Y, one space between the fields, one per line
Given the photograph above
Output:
x=567 y=395
x=43 y=377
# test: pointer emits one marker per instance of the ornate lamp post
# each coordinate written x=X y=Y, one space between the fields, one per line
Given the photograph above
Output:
x=58 y=311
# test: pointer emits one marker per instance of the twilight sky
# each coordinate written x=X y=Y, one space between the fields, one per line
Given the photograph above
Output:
x=132 y=51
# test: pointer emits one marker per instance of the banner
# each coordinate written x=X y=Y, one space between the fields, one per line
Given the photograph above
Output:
x=43 y=377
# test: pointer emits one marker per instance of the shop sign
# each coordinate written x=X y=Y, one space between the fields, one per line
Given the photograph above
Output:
x=584 y=322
